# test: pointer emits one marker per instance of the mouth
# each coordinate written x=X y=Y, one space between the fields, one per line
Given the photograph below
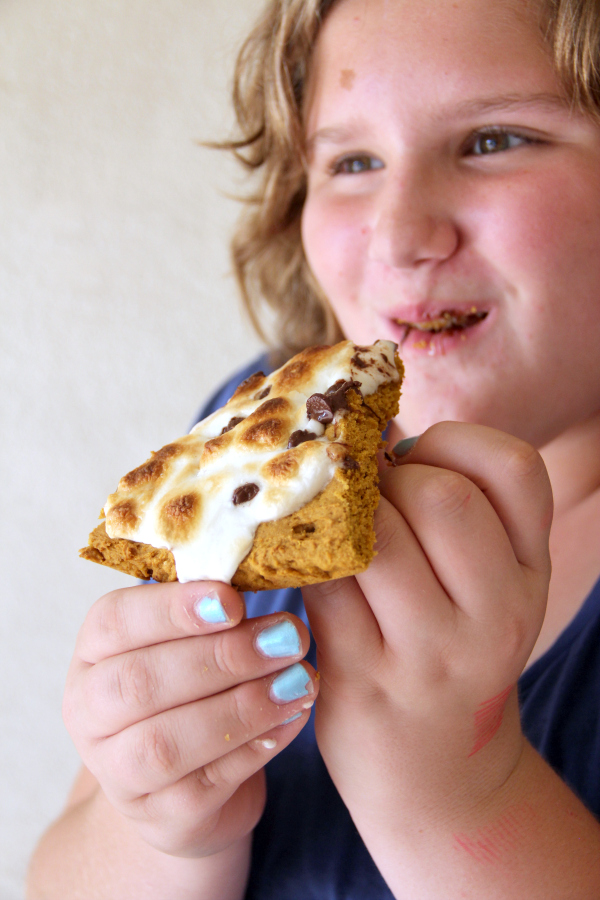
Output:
x=448 y=322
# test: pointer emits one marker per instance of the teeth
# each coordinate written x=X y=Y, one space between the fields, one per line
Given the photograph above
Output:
x=448 y=321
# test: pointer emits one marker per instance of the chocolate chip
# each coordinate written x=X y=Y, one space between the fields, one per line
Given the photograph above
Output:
x=385 y=359
x=299 y=437
x=349 y=463
x=358 y=362
x=319 y=409
x=245 y=493
x=232 y=423
x=264 y=393
x=322 y=407
x=336 y=394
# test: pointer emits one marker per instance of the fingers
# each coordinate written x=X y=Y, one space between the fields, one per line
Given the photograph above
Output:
x=151 y=614
x=462 y=526
x=398 y=601
x=129 y=687
x=509 y=472
x=157 y=752
x=345 y=629
x=230 y=790
x=459 y=538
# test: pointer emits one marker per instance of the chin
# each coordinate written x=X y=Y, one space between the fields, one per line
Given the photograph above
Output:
x=417 y=414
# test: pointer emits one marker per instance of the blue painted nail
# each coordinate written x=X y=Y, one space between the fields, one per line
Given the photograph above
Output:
x=291 y=719
x=291 y=684
x=210 y=609
x=403 y=447
x=281 y=639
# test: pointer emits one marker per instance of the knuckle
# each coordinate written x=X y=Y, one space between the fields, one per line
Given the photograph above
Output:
x=89 y=703
x=515 y=637
x=386 y=527
x=446 y=493
x=220 y=776
x=223 y=656
x=134 y=682
x=109 y=619
x=524 y=462
x=241 y=708
x=210 y=776
x=155 y=751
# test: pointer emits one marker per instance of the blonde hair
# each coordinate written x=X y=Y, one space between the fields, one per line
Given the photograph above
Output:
x=270 y=77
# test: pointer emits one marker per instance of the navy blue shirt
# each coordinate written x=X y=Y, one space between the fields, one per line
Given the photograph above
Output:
x=306 y=846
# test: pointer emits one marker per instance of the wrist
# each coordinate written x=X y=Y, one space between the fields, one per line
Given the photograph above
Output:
x=443 y=770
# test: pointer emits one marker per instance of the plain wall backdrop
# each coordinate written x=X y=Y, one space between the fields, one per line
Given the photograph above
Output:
x=119 y=316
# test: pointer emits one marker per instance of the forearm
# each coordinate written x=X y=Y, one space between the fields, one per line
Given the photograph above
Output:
x=532 y=839
x=94 y=853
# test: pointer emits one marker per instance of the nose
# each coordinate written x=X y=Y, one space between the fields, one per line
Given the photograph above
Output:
x=412 y=225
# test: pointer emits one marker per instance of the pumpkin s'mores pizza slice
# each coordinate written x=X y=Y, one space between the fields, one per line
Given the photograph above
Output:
x=278 y=488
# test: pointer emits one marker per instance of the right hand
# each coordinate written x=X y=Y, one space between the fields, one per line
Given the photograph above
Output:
x=175 y=717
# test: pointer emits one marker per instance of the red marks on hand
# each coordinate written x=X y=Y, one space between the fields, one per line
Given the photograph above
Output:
x=488 y=719
x=491 y=843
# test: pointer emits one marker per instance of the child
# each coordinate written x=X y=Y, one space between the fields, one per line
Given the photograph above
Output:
x=429 y=161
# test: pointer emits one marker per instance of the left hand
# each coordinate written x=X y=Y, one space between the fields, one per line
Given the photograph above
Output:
x=417 y=718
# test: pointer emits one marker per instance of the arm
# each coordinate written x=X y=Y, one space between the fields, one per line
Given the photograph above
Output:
x=419 y=660
x=176 y=718
x=92 y=852
x=530 y=838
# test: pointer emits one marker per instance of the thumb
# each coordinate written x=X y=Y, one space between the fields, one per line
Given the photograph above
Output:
x=344 y=627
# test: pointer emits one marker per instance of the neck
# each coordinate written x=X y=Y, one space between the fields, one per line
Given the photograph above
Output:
x=573 y=463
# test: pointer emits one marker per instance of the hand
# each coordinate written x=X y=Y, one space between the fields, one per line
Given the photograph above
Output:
x=176 y=717
x=417 y=718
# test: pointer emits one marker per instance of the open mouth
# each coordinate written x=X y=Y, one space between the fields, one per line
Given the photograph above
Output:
x=447 y=322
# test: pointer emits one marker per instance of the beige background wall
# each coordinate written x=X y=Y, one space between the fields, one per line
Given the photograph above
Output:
x=117 y=318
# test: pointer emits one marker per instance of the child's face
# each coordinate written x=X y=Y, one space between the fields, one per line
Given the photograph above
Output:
x=445 y=174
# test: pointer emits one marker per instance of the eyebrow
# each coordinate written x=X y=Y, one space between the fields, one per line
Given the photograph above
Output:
x=548 y=102
x=330 y=135
x=544 y=101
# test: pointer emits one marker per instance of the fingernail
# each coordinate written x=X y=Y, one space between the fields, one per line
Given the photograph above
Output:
x=281 y=639
x=267 y=743
x=291 y=684
x=403 y=447
x=291 y=719
x=210 y=609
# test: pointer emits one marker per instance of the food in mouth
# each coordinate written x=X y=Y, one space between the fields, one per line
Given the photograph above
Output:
x=448 y=321
x=276 y=489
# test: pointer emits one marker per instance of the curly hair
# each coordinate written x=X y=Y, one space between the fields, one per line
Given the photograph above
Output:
x=276 y=283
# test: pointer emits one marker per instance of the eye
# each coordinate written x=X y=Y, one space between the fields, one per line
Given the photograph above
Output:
x=487 y=142
x=355 y=164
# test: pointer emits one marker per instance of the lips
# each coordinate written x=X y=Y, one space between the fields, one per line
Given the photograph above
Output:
x=448 y=321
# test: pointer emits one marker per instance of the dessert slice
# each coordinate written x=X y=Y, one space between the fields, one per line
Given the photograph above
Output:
x=278 y=488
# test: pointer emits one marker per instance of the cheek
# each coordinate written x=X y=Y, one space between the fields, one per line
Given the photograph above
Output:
x=335 y=242
x=543 y=238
